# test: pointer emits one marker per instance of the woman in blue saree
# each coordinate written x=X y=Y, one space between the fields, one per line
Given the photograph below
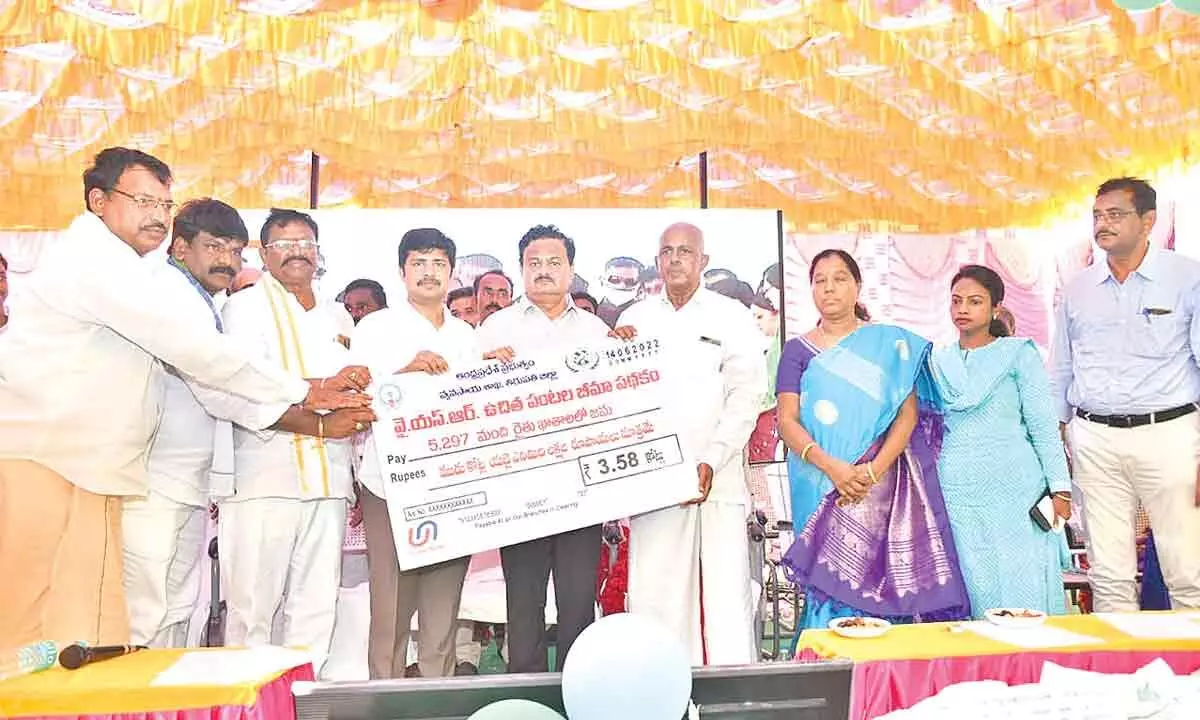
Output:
x=856 y=412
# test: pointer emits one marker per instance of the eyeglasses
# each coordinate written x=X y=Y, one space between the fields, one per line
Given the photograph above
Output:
x=146 y=203
x=1112 y=216
x=626 y=283
x=285 y=245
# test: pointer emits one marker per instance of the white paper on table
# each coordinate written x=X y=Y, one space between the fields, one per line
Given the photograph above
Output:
x=1040 y=636
x=221 y=668
x=1154 y=626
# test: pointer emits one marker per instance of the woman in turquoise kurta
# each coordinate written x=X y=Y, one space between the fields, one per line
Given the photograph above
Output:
x=1000 y=454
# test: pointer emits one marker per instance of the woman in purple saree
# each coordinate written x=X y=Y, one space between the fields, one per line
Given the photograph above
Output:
x=857 y=411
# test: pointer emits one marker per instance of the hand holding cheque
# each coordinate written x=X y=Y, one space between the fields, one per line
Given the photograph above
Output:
x=498 y=453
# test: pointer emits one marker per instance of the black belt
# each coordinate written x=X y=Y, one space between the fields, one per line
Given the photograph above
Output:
x=1132 y=421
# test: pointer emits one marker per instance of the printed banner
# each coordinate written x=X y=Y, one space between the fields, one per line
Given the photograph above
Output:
x=500 y=453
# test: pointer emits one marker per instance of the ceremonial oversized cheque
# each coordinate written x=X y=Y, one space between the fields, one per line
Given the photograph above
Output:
x=499 y=453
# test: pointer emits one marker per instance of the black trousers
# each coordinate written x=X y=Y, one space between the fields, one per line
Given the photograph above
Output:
x=574 y=557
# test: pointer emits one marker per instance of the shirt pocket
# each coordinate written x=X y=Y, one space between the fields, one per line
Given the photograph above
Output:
x=1163 y=336
x=707 y=358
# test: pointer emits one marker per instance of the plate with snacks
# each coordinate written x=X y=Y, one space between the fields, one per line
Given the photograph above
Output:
x=859 y=627
x=1015 y=617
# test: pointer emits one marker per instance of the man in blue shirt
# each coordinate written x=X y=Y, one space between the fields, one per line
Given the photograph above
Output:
x=1126 y=382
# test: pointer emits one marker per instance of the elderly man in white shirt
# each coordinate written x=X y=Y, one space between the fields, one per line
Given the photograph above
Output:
x=416 y=336
x=545 y=319
x=280 y=534
x=689 y=566
x=78 y=406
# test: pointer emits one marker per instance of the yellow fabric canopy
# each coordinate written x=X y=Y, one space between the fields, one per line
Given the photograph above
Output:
x=938 y=115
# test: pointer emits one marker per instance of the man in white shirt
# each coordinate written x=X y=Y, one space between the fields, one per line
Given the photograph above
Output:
x=78 y=407
x=281 y=533
x=163 y=533
x=546 y=319
x=689 y=566
x=416 y=336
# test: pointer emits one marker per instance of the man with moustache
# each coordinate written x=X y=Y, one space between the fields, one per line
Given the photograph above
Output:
x=363 y=297
x=461 y=304
x=1126 y=382
x=163 y=533
x=548 y=321
x=689 y=566
x=78 y=407
x=281 y=532
x=419 y=336
x=493 y=291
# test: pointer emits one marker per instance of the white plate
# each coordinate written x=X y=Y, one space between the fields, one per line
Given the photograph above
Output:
x=873 y=628
x=1016 y=620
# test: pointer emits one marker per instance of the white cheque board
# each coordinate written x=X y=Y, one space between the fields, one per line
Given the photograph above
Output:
x=496 y=454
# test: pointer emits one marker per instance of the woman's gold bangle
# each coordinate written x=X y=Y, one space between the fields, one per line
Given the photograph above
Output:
x=804 y=452
x=871 y=474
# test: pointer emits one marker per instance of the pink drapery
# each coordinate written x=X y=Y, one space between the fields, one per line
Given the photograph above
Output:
x=883 y=686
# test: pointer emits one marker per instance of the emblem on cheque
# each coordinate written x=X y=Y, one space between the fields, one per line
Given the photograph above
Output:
x=390 y=396
x=582 y=359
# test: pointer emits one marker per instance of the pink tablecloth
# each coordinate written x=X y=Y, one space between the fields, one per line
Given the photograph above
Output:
x=882 y=686
x=274 y=702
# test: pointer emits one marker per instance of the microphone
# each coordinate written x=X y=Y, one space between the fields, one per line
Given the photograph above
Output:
x=76 y=656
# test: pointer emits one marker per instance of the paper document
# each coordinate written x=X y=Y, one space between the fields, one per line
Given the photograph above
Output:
x=220 y=668
x=1154 y=626
x=1041 y=636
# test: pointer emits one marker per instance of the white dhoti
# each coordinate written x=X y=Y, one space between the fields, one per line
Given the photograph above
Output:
x=689 y=567
x=163 y=544
x=273 y=548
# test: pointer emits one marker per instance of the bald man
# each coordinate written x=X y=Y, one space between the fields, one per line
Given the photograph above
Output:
x=689 y=566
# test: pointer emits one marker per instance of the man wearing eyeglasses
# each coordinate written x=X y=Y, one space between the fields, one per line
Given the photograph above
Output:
x=1126 y=383
x=618 y=288
x=79 y=405
x=281 y=532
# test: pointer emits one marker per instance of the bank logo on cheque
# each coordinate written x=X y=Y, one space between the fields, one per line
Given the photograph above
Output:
x=582 y=359
x=423 y=534
x=390 y=396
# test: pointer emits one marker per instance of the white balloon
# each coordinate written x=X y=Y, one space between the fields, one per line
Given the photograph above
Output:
x=626 y=667
x=515 y=710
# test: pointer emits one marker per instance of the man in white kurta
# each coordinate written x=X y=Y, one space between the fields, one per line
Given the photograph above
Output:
x=689 y=566
x=280 y=534
x=78 y=408
x=163 y=533
x=418 y=335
